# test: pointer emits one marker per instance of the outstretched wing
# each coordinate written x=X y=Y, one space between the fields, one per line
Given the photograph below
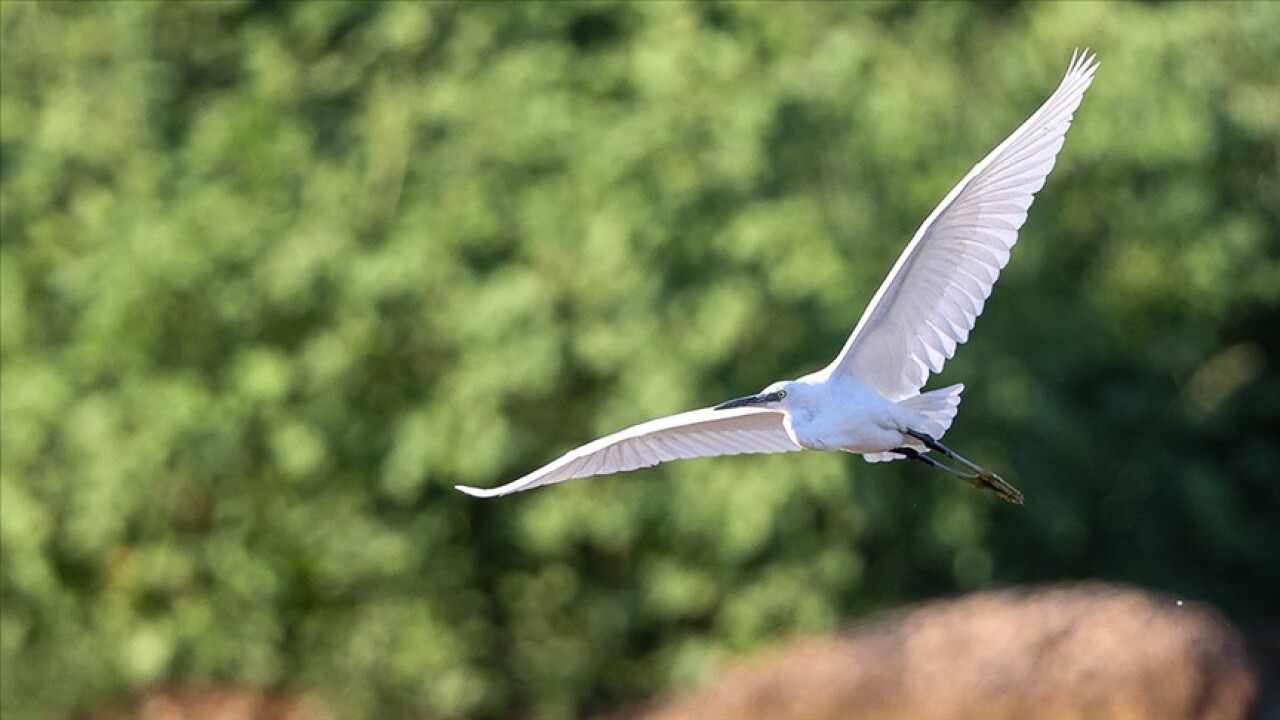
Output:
x=698 y=433
x=936 y=290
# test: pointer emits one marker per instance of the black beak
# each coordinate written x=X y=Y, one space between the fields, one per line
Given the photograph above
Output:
x=759 y=399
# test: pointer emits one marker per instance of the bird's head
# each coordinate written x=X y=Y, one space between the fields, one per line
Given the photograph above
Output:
x=774 y=397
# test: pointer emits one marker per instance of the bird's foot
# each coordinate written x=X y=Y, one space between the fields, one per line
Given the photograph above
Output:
x=988 y=480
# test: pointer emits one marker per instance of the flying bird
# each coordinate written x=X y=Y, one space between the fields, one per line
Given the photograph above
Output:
x=868 y=400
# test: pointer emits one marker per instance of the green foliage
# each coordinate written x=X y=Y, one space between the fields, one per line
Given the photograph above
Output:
x=275 y=276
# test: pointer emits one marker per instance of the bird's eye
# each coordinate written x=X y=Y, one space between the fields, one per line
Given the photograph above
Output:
x=782 y=394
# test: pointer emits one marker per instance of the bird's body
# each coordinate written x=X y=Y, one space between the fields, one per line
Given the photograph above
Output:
x=868 y=400
x=825 y=413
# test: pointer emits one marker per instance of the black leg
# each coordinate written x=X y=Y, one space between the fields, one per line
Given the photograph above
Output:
x=933 y=444
x=913 y=454
x=982 y=478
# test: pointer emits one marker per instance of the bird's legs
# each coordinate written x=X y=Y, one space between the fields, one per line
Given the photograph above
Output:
x=933 y=444
x=913 y=454
x=980 y=478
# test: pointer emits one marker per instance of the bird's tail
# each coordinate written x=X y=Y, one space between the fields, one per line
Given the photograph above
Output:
x=935 y=410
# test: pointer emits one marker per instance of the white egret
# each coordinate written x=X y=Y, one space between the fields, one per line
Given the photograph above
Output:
x=868 y=400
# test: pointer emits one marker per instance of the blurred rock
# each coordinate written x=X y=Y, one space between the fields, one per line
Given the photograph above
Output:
x=1061 y=652
x=214 y=703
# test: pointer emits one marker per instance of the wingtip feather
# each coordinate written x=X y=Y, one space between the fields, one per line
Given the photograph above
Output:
x=1083 y=61
x=475 y=491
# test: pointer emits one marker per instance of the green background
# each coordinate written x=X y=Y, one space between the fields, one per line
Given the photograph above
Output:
x=274 y=277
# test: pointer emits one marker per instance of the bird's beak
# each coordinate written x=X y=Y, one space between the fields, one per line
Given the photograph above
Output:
x=758 y=399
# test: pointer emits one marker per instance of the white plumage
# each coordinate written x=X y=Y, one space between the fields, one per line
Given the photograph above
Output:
x=868 y=399
x=698 y=433
x=936 y=290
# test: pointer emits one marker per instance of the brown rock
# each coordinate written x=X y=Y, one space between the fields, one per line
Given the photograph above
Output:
x=1055 y=653
x=183 y=702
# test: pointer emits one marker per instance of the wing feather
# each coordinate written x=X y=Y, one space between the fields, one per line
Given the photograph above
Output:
x=699 y=433
x=940 y=283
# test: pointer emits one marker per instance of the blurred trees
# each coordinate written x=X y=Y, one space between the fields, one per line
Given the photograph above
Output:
x=274 y=277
